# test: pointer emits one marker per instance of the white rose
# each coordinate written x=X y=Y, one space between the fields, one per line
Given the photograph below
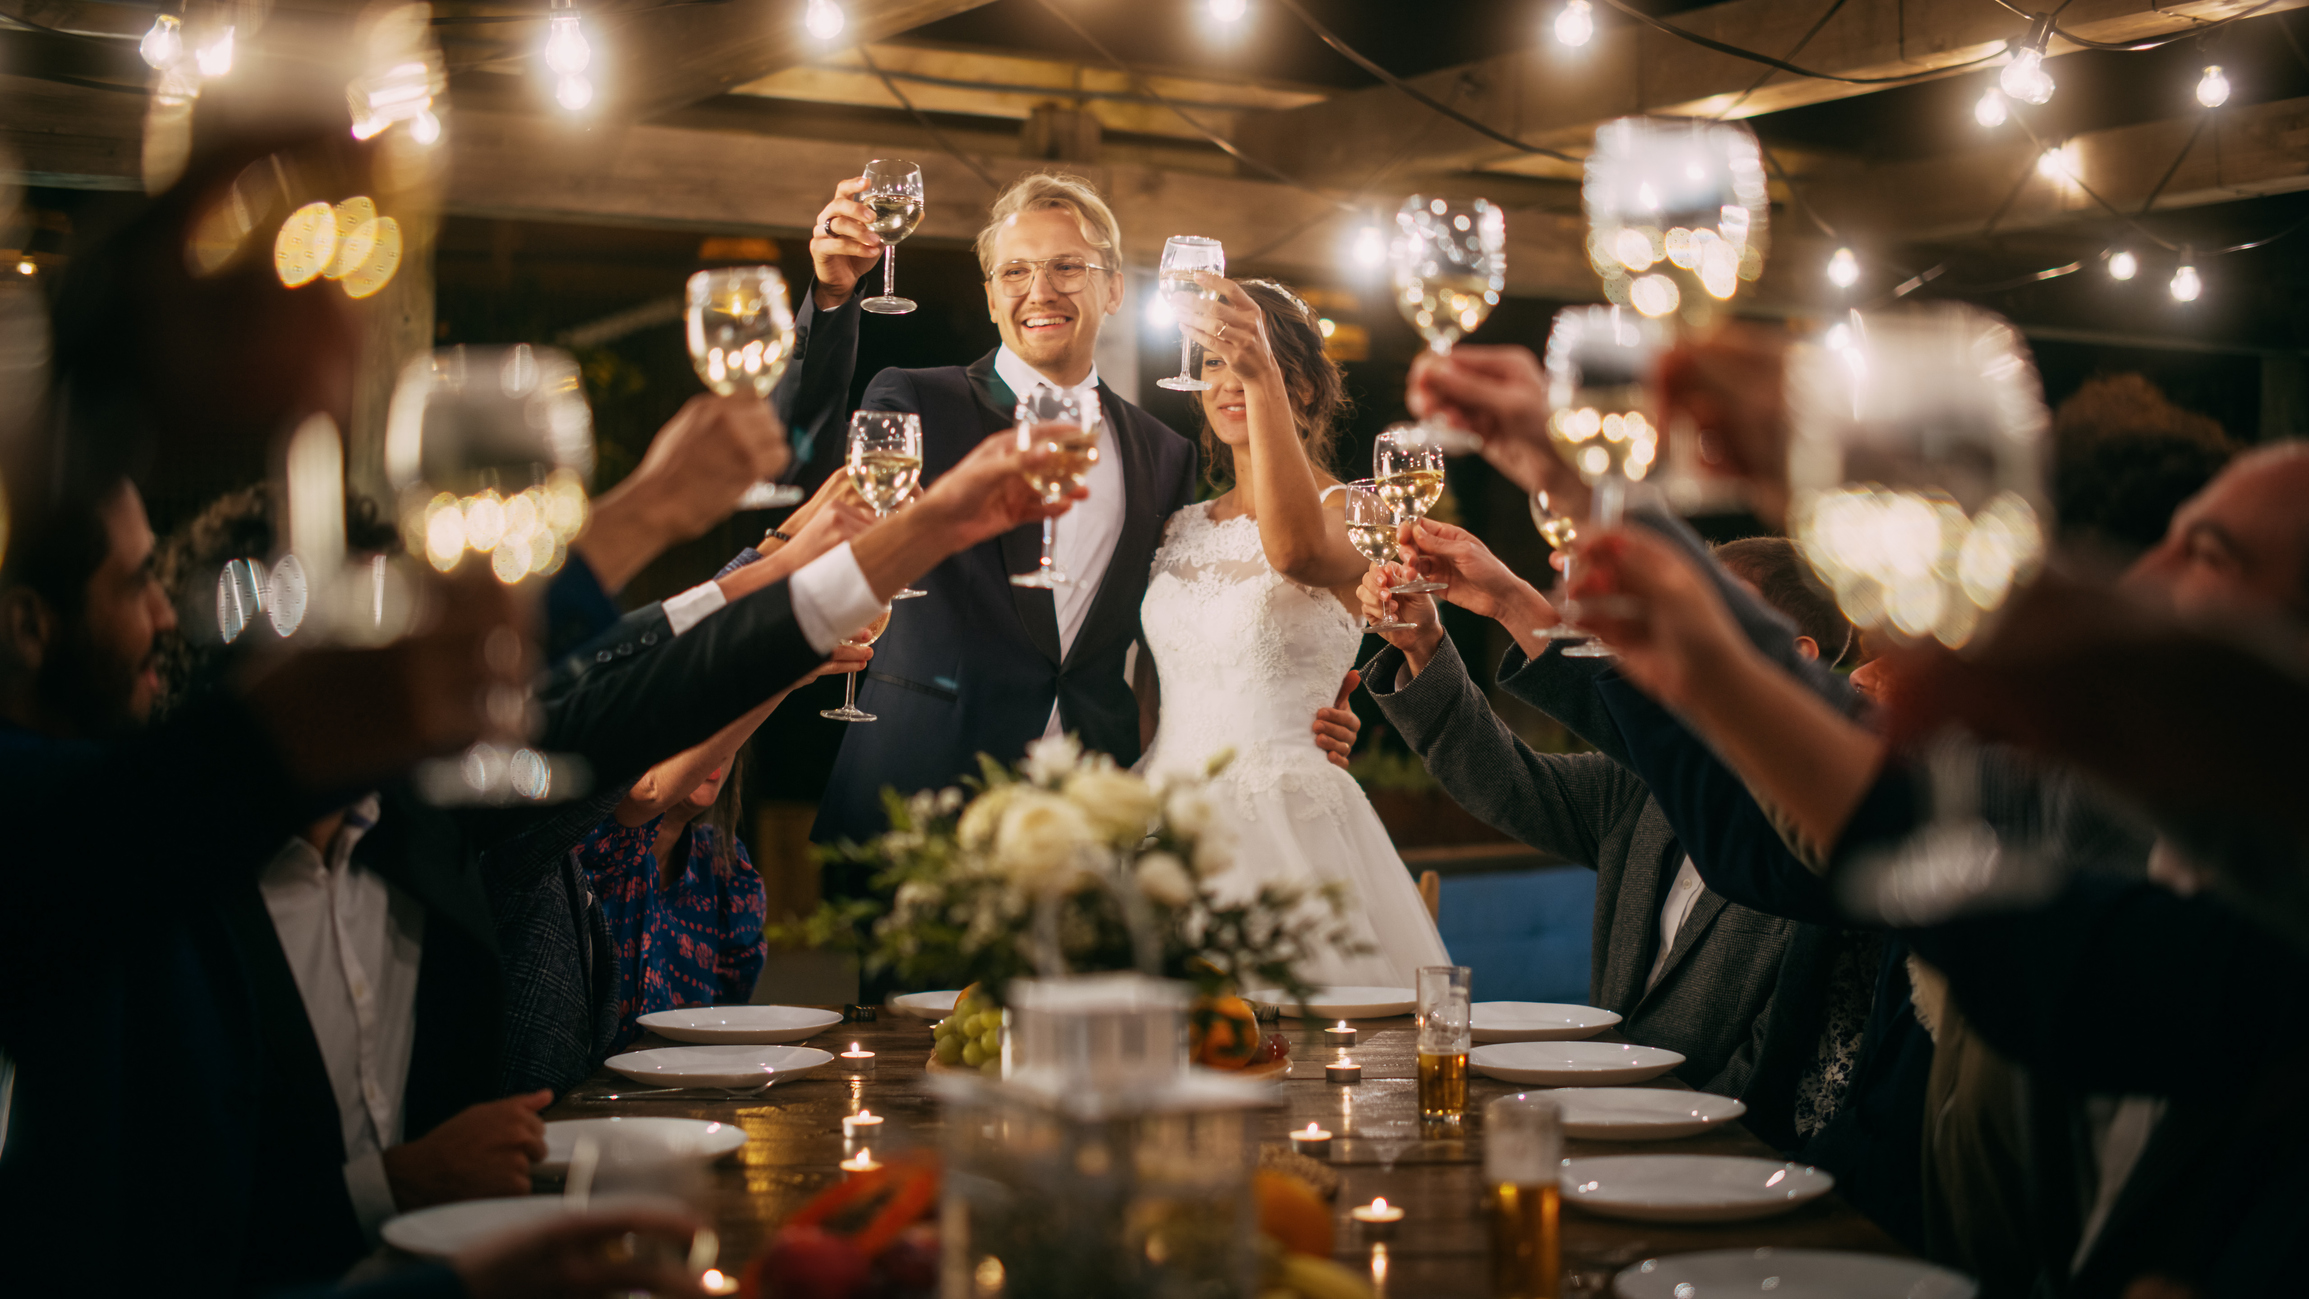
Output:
x=1188 y=812
x=1049 y=760
x=1212 y=857
x=1040 y=834
x=1164 y=878
x=978 y=823
x=1118 y=803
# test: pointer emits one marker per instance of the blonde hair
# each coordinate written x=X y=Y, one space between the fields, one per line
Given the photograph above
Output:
x=1065 y=193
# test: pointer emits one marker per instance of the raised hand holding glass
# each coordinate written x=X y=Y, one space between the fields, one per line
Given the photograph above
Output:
x=1599 y=363
x=1371 y=525
x=1183 y=255
x=894 y=194
x=885 y=461
x=1407 y=469
x=866 y=635
x=741 y=334
x=1054 y=423
x=1450 y=267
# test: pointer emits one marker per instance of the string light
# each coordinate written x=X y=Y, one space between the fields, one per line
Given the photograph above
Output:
x=216 y=58
x=2213 y=91
x=1990 y=111
x=1370 y=250
x=2025 y=78
x=566 y=49
x=1229 y=11
x=2123 y=265
x=2186 y=282
x=823 y=19
x=24 y=266
x=425 y=128
x=164 y=43
x=1575 y=23
x=1844 y=269
x=2058 y=162
x=573 y=92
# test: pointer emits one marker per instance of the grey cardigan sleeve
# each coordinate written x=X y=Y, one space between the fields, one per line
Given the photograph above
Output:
x=1557 y=803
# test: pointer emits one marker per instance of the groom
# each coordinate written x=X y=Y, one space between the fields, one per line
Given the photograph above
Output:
x=979 y=665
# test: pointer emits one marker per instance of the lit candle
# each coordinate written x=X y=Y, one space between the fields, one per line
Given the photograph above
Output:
x=1341 y=1035
x=857 y=1060
x=864 y=1123
x=1312 y=1141
x=714 y=1281
x=1378 y=1217
x=864 y=1162
x=1343 y=1070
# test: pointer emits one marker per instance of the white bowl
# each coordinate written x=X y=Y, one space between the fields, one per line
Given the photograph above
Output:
x=755 y=1025
x=1340 y=1003
x=1778 y=1273
x=719 y=1066
x=641 y=1139
x=1641 y=1113
x=1572 y=1064
x=1690 y=1188
x=927 y=1005
x=1538 y=1021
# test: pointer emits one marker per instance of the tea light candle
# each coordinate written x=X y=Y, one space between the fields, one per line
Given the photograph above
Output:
x=1378 y=1217
x=1312 y=1141
x=1343 y=1070
x=856 y=1060
x=714 y=1281
x=1341 y=1035
x=864 y=1162
x=864 y=1123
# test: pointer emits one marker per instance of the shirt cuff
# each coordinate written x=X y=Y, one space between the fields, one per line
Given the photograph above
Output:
x=371 y=1192
x=694 y=606
x=832 y=599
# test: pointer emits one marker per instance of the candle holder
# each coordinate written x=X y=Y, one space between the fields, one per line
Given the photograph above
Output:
x=1378 y=1217
x=1343 y=1070
x=1341 y=1035
x=864 y=1162
x=861 y=1125
x=1312 y=1141
x=856 y=1061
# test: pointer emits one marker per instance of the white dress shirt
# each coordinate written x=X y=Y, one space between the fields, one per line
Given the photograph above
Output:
x=1085 y=537
x=353 y=943
x=1678 y=908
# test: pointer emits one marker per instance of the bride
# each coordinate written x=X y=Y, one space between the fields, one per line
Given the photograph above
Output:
x=1248 y=612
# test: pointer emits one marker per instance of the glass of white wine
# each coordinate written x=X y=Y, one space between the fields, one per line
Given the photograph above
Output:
x=1407 y=465
x=1559 y=531
x=893 y=194
x=1599 y=365
x=1183 y=255
x=849 y=711
x=741 y=334
x=1677 y=212
x=1054 y=422
x=1371 y=524
x=1450 y=264
x=886 y=462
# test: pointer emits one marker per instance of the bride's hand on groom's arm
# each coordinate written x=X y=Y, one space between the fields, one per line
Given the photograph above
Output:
x=1337 y=726
x=1381 y=605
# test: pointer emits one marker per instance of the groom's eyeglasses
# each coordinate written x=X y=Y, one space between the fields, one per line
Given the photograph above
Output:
x=1066 y=274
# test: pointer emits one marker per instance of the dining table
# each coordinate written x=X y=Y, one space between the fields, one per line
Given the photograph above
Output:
x=795 y=1143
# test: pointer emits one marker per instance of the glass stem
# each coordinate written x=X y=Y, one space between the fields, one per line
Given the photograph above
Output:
x=889 y=270
x=1611 y=498
x=850 y=690
x=1186 y=356
x=1049 y=539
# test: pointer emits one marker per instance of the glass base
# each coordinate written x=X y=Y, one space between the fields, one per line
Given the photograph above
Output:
x=887 y=305
x=1042 y=579
x=1420 y=587
x=1181 y=383
x=1373 y=628
x=1590 y=649
x=769 y=496
x=848 y=713
x=908 y=594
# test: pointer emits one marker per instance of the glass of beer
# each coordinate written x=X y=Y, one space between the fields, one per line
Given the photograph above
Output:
x=1446 y=1032
x=1522 y=1154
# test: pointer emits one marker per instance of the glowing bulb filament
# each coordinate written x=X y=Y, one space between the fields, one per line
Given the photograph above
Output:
x=823 y=19
x=163 y=44
x=1575 y=23
x=2213 y=91
x=566 y=49
x=2123 y=265
x=2186 y=284
x=1844 y=269
x=1990 y=111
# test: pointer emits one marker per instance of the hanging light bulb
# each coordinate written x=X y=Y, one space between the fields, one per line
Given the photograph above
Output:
x=566 y=50
x=163 y=44
x=425 y=128
x=1844 y=269
x=2025 y=78
x=823 y=19
x=1990 y=111
x=2213 y=91
x=216 y=58
x=1229 y=11
x=24 y=266
x=2058 y=163
x=1575 y=23
x=2123 y=265
x=2186 y=283
x=1370 y=248
x=573 y=92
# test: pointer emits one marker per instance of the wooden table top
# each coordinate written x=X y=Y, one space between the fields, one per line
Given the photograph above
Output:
x=794 y=1133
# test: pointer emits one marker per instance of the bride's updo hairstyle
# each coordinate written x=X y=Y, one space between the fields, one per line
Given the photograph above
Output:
x=1317 y=387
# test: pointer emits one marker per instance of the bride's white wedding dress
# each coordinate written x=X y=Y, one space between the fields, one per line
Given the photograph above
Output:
x=1246 y=656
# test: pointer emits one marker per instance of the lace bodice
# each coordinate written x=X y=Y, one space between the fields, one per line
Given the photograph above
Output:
x=1245 y=655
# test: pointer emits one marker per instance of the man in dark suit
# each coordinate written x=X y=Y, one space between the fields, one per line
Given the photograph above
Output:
x=978 y=665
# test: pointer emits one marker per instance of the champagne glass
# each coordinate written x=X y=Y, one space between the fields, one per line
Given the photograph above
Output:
x=849 y=711
x=741 y=334
x=1371 y=524
x=886 y=462
x=488 y=449
x=1450 y=260
x=1559 y=532
x=1183 y=255
x=893 y=194
x=1053 y=422
x=1598 y=362
x=1408 y=469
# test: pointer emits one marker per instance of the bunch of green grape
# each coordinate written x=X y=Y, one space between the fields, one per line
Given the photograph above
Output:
x=971 y=1037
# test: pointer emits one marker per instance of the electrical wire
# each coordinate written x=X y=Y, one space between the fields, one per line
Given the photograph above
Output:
x=1793 y=50
x=2134 y=47
x=1737 y=52
x=1349 y=53
x=2178 y=159
x=924 y=120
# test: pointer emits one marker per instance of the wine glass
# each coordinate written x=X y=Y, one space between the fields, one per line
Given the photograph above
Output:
x=867 y=635
x=1450 y=259
x=1183 y=255
x=1408 y=468
x=1559 y=532
x=741 y=334
x=886 y=463
x=1371 y=524
x=893 y=194
x=487 y=449
x=1599 y=360
x=1053 y=422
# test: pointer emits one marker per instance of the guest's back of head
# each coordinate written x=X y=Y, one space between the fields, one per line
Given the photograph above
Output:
x=2126 y=457
x=1776 y=567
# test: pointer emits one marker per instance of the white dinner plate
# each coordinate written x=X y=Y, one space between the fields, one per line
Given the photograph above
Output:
x=1690 y=1188
x=720 y=1066
x=928 y=1005
x=1538 y=1021
x=1641 y=1113
x=1572 y=1064
x=750 y=1024
x=1789 y=1274
x=450 y=1229
x=643 y=1139
x=1341 y=1003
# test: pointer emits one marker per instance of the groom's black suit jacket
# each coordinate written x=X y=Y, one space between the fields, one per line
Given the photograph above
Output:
x=973 y=666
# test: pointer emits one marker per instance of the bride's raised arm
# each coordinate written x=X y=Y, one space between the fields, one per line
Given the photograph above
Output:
x=1303 y=533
